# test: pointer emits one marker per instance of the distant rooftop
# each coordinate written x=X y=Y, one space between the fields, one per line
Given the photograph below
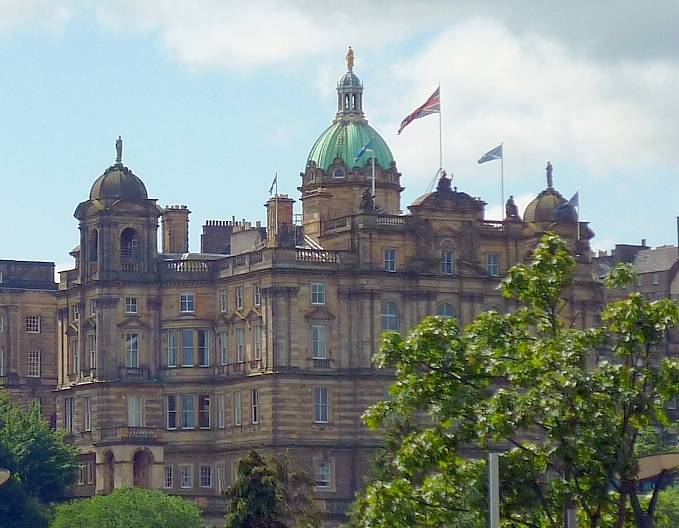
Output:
x=27 y=275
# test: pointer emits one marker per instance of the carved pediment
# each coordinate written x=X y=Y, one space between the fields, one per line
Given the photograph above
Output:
x=319 y=313
x=72 y=330
x=132 y=322
x=253 y=315
x=469 y=268
x=235 y=317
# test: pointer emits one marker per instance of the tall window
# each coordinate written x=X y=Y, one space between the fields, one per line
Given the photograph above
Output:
x=447 y=261
x=318 y=293
x=135 y=411
x=33 y=362
x=205 y=476
x=168 y=478
x=76 y=312
x=92 y=349
x=68 y=414
x=131 y=305
x=2 y=361
x=255 y=406
x=224 y=347
x=2 y=322
x=237 y=408
x=93 y=307
x=89 y=465
x=129 y=244
x=171 y=402
x=188 y=354
x=171 y=348
x=221 y=411
x=390 y=320
x=256 y=295
x=188 y=411
x=87 y=414
x=318 y=341
x=132 y=350
x=322 y=474
x=203 y=349
x=33 y=324
x=257 y=341
x=240 y=344
x=185 y=476
x=221 y=478
x=223 y=306
x=389 y=259
x=493 y=264
x=320 y=405
x=239 y=298
x=445 y=310
x=204 y=411
x=187 y=302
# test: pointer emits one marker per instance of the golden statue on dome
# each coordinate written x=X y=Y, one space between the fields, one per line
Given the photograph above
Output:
x=350 y=59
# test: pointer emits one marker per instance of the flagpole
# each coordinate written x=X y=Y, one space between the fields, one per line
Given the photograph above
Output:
x=502 y=175
x=578 y=210
x=276 y=208
x=440 y=135
x=373 y=171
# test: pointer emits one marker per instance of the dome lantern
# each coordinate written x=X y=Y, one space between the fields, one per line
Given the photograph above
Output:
x=350 y=92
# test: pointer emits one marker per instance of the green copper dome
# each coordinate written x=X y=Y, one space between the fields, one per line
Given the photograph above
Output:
x=345 y=139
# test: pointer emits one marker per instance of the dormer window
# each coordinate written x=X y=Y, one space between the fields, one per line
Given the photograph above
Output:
x=338 y=174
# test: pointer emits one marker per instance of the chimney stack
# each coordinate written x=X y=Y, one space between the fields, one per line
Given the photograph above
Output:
x=176 y=229
x=278 y=212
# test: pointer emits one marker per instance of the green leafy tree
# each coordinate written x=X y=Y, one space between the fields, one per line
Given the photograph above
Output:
x=41 y=464
x=131 y=507
x=268 y=493
x=564 y=404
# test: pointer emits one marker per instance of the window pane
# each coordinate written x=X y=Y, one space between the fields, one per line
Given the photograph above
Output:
x=204 y=411
x=188 y=345
x=172 y=348
x=171 y=411
x=224 y=347
x=318 y=338
x=188 y=411
x=203 y=349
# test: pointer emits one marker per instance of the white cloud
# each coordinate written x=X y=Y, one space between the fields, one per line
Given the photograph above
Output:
x=50 y=15
x=544 y=101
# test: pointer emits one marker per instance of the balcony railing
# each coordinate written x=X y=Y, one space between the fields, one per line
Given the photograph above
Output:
x=133 y=433
x=317 y=255
x=139 y=373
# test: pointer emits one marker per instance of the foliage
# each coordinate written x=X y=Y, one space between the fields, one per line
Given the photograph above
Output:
x=41 y=464
x=667 y=513
x=124 y=508
x=268 y=493
x=564 y=404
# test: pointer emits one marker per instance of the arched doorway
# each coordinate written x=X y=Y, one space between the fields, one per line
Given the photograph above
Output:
x=109 y=472
x=141 y=467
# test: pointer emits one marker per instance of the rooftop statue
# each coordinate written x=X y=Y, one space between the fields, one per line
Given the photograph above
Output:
x=550 y=179
x=367 y=201
x=350 y=59
x=511 y=210
x=119 y=150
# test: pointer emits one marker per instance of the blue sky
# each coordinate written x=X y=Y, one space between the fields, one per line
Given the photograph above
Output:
x=212 y=97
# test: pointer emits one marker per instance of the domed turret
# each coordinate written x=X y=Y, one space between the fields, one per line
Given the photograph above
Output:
x=349 y=132
x=350 y=168
x=118 y=182
x=550 y=205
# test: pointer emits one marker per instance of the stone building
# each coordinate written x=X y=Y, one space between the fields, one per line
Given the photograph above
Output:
x=172 y=365
x=28 y=333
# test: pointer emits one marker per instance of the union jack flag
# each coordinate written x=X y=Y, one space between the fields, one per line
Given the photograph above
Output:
x=430 y=106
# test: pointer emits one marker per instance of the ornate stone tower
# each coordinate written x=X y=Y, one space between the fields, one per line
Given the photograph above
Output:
x=336 y=182
x=118 y=226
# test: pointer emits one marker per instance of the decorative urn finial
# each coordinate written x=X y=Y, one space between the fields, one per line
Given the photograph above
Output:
x=119 y=150
x=350 y=59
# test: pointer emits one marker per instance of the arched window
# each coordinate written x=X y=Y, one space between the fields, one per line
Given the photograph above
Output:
x=94 y=245
x=129 y=244
x=390 y=320
x=339 y=173
x=445 y=310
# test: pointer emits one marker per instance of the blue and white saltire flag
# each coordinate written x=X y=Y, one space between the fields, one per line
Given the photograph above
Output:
x=273 y=183
x=365 y=148
x=491 y=155
x=575 y=201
